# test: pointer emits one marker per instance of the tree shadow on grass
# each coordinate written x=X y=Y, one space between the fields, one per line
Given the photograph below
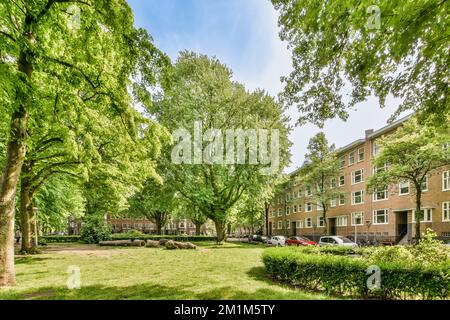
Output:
x=150 y=292
x=30 y=259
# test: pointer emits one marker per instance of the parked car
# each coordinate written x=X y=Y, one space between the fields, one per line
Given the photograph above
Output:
x=336 y=241
x=277 y=240
x=300 y=241
x=258 y=238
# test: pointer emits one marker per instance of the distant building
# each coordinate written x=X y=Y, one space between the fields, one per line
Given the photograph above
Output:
x=173 y=227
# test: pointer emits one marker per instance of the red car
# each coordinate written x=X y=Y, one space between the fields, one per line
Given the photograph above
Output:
x=300 y=241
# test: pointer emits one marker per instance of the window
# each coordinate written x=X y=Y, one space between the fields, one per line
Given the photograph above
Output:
x=308 y=207
x=300 y=224
x=320 y=222
x=288 y=210
x=380 y=194
x=357 y=218
x=375 y=148
x=341 y=181
x=288 y=224
x=425 y=185
x=308 y=222
x=446 y=211
x=427 y=216
x=351 y=158
x=342 y=160
x=294 y=195
x=341 y=221
x=357 y=197
x=181 y=224
x=279 y=200
x=299 y=208
x=287 y=196
x=380 y=168
x=333 y=182
x=341 y=199
x=357 y=176
x=445 y=180
x=403 y=188
x=294 y=208
x=308 y=191
x=333 y=202
x=280 y=212
x=319 y=207
x=381 y=216
x=360 y=154
x=280 y=226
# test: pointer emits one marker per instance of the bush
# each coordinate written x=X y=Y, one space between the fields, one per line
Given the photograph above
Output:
x=58 y=239
x=132 y=236
x=345 y=275
x=94 y=230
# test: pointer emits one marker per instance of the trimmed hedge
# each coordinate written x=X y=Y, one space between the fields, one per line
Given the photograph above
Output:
x=59 y=239
x=346 y=275
x=125 y=236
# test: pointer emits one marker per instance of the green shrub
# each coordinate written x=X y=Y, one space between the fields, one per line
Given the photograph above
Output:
x=58 y=239
x=346 y=275
x=94 y=230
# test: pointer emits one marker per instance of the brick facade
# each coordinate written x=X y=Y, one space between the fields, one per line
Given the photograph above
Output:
x=386 y=226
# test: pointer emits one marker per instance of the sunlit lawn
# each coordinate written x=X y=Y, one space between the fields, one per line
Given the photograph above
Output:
x=230 y=271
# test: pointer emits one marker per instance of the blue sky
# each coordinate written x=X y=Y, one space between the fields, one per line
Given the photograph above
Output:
x=243 y=34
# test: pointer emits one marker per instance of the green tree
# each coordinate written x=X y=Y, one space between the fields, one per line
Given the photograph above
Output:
x=155 y=201
x=411 y=154
x=193 y=213
x=320 y=172
x=202 y=92
x=45 y=52
x=379 y=48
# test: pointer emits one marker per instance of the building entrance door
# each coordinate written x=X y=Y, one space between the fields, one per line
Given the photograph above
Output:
x=332 y=226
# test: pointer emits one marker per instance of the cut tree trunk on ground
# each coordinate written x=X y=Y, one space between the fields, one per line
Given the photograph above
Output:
x=152 y=244
x=138 y=243
x=179 y=245
x=116 y=243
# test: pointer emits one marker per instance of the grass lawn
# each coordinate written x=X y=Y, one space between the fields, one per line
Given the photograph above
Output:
x=229 y=271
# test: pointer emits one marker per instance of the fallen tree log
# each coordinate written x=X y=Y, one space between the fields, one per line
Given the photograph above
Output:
x=179 y=245
x=152 y=244
x=116 y=243
x=138 y=243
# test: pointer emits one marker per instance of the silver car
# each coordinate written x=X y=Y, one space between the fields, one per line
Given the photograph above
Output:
x=337 y=241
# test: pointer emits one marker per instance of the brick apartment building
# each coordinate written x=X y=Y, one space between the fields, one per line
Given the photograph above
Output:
x=178 y=226
x=386 y=216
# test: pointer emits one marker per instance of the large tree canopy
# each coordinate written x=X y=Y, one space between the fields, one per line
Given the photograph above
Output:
x=202 y=92
x=376 y=47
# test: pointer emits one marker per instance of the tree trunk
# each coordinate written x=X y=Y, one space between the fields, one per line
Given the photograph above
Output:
x=8 y=187
x=26 y=207
x=266 y=216
x=198 y=227
x=158 y=226
x=325 y=225
x=418 y=213
x=220 y=230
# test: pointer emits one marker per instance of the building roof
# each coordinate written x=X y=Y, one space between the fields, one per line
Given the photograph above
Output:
x=372 y=135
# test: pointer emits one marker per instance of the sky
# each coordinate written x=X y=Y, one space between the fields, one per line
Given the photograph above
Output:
x=243 y=34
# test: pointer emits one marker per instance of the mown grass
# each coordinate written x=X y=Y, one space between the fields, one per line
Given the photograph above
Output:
x=229 y=271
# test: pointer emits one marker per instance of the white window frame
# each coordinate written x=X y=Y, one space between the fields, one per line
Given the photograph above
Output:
x=375 y=148
x=342 y=161
x=308 y=191
x=341 y=221
x=280 y=212
x=308 y=225
x=446 y=180
x=363 y=154
x=288 y=210
x=333 y=183
x=427 y=215
x=299 y=207
x=426 y=184
x=354 y=176
x=320 y=221
x=400 y=188
x=280 y=224
x=350 y=162
x=386 y=215
x=446 y=211
x=375 y=194
x=343 y=181
x=341 y=196
x=294 y=208
x=333 y=202
x=307 y=207
x=361 y=213
x=299 y=224
x=354 y=197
